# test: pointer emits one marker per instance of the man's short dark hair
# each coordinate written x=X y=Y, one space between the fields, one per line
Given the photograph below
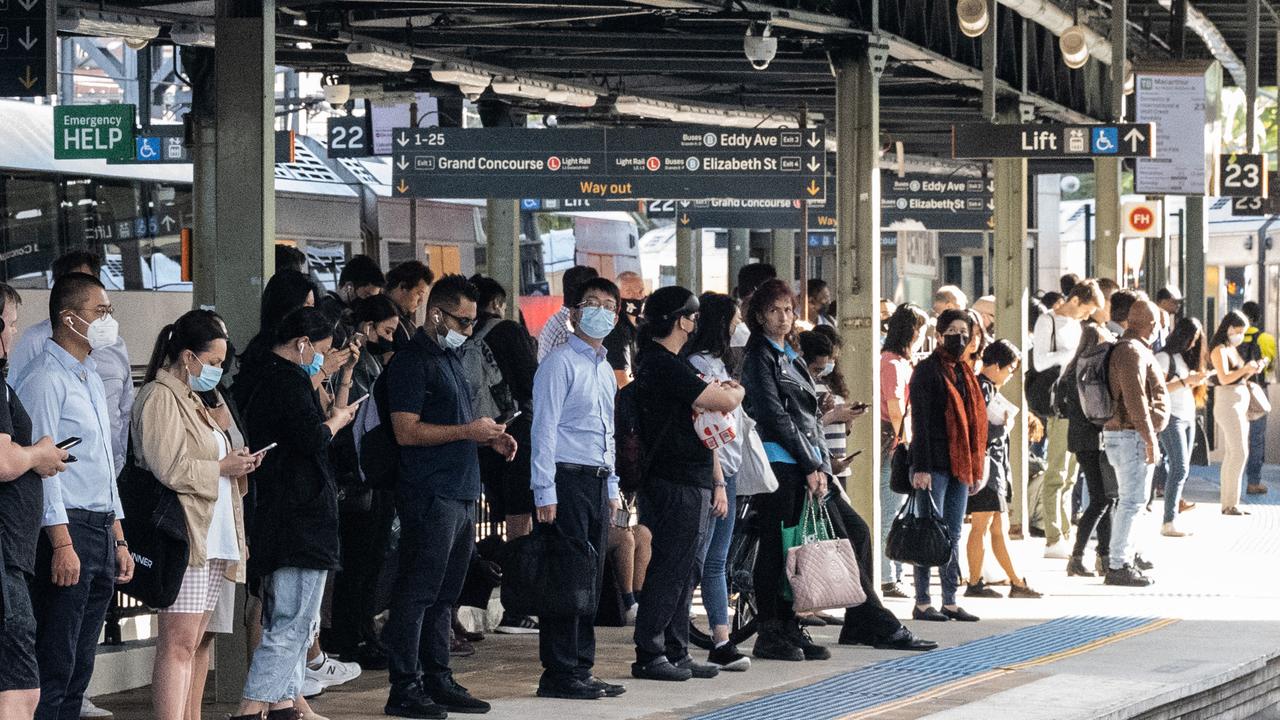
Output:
x=289 y=257
x=361 y=271
x=815 y=287
x=1253 y=311
x=72 y=261
x=450 y=290
x=69 y=293
x=573 y=281
x=1067 y=282
x=487 y=290
x=1122 y=301
x=1108 y=286
x=409 y=274
x=9 y=296
x=604 y=285
x=1001 y=353
x=1087 y=292
x=753 y=276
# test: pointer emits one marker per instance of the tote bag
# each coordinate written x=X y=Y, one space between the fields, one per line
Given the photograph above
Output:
x=918 y=536
x=755 y=476
x=822 y=570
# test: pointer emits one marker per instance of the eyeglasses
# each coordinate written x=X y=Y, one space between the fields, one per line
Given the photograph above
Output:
x=100 y=311
x=609 y=305
x=463 y=322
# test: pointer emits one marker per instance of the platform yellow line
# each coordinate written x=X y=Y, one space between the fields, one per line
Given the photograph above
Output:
x=1005 y=670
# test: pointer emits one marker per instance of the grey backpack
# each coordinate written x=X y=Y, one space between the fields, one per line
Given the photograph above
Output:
x=490 y=396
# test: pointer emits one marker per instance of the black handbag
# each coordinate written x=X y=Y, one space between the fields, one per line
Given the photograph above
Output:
x=156 y=528
x=548 y=573
x=918 y=535
x=900 y=470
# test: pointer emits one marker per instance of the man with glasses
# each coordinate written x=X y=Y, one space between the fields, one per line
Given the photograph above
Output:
x=573 y=480
x=82 y=553
x=439 y=484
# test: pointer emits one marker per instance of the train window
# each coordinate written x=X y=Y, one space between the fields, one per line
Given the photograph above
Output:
x=28 y=227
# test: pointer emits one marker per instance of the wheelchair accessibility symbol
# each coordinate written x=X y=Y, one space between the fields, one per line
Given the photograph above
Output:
x=1106 y=140
x=148 y=149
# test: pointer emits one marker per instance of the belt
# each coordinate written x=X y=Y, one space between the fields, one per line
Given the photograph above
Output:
x=92 y=517
x=594 y=471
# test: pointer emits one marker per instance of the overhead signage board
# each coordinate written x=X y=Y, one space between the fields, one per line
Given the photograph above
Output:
x=1142 y=220
x=93 y=132
x=1241 y=175
x=738 y=213
x=349 y=137
x=938 y=202
x=1256 y=206
x=984 y=140
x=27 y=50
x=609 y=164
x=590 y=205
x=1181 y=99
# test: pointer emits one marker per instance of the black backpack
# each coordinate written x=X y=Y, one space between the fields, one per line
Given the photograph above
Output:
x=1040 y=383
x=375 y=439
x=631 y=463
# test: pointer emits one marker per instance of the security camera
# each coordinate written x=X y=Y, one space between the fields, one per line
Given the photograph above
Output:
x=760 y=49
x=335 y=93
x=1069 y=184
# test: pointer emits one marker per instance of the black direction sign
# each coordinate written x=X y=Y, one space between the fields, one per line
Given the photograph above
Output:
x=737 y=213
x=609 y=164
x=1241 y=175
x=1258 y=206
x=939 y=202
x=983 y=140
x=349 y=137
x=27 y=34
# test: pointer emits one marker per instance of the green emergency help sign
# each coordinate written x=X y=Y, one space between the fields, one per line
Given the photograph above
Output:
x=93 y=131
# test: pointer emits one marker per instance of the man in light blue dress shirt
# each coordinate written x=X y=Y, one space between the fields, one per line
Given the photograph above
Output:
x=82 y=553
x=573 y=479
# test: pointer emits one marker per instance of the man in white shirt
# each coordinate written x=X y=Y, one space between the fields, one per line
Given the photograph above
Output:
x=559 y=327
x=1057 y=335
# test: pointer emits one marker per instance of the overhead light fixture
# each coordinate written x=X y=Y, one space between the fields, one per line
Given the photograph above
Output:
x=645 y=108
x=521 y=88
x=973 y=17
x=109 y=24
x=472 y=82
x=701 y=116
x=192 y=34
x=303 y=45
x=379 y=57
x=573 y=97
x=1075 y=47
x=761 y=48
x=336 y=92
x=1130 y=83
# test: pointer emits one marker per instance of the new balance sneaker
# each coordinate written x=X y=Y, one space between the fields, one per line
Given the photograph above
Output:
x=89 y=710
x=330 y=671
x=311 y=687
x=517 y=625
x=1058 y=551
x=728 y=658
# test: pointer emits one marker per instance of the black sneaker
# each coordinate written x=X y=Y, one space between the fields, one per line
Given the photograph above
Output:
x=1024 y=591
x=609 y=689
x=700 y=670
x=517 y=625
x=412 y=702
x=1143 y=564
x=893 y=590
x=728 y=658
x=572 y=689
x=811 y=650
x=1127 y=576
x=773 y=644
x=455 y=698
x=980 y=590
x=660 y=669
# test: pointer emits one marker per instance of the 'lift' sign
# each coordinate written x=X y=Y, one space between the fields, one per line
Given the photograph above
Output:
x=1142 y=219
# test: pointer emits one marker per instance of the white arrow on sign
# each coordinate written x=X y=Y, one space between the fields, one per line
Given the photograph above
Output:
x=402 y=163
x=403 y=140
x=813 y=139
x=814 y=165
x=28 y=4
x=167 y=222
x=1134 y=137
x=26 y=41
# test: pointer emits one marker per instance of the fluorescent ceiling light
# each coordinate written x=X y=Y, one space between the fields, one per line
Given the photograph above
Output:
x=460 y=75
x=108 y=24
x=973 y=17
x=304 y=45
x=192 y=34
x=521 y=88
x=573 y=97
x=646 y=108
x=379 y=57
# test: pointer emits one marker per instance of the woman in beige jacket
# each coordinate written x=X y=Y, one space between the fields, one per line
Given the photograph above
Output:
x=176 y=437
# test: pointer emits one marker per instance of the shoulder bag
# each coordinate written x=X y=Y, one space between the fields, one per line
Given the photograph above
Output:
x=918 y=536
x=156 y=529
x=822 y=570
x=755 y=475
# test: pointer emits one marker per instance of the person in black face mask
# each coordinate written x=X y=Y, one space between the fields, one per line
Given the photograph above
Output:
x=375 y=319
x=620 y=343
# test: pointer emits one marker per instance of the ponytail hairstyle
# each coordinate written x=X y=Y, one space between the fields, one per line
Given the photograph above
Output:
x=195 y=330
x=662 y=310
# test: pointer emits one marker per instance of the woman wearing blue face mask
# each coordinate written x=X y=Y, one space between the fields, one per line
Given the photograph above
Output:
x=177 y=438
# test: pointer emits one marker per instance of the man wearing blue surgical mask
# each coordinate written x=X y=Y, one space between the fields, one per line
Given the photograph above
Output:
x=573 y=479
x=438 y=485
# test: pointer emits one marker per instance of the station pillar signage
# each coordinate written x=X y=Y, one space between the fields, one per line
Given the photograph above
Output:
x=349 y=137
x=27 y=54
x=983 y=140
x=1241 y=175
x=93 y=131
x=1142 y=220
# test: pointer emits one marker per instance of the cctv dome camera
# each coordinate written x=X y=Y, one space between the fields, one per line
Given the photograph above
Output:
x=337 y=95
x=1069 y=183
x=760 y=49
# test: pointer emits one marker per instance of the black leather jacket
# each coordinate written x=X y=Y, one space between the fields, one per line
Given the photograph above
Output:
x=783 y=402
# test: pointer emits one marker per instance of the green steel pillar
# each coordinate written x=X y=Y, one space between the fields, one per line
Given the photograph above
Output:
x=739 y=252
x=502 y=256
x=1012 y=278
x=783 y=255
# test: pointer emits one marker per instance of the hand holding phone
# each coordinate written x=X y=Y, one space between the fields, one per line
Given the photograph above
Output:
x=358 y=400
x=264 y=450
x=68 y=443
x=508 y=417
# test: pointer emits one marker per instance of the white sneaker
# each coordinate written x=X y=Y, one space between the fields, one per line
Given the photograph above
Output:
x=311 y=687
x=631 y=613
x=1169 y=530
x=1058 y=551
x=333 y=672
x=89 y=710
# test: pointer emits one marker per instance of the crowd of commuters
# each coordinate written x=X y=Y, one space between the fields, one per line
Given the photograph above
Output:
x=263 y=451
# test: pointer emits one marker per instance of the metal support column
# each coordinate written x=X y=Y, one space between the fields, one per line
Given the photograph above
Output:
x=739 y=252
x=783 y=256
x=1107 y=171
x=689 y=258
x=1197 y=231
x=857 y=289
x=503 y=254
x=1011 y=280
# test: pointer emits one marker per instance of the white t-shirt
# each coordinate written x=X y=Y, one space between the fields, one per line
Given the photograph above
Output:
x=1182 y=402
x=1056 y=339
x=221 y=543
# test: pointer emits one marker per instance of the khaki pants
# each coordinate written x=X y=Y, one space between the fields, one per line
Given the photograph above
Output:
x=1059 y=479
x=1230 y=403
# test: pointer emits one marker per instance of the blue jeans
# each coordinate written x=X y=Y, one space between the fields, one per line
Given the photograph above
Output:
x=1257 y=450
x=951 y=498
x=1127 y=452
x=1176 y=441
x=715 y=551
x=290 y=619
x=890 y=503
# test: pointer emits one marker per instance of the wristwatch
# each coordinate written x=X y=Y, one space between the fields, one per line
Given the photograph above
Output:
x=122 y=543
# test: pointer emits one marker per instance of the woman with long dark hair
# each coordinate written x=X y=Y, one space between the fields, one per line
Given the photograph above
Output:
x=1182 y=362
x=905 y=336
x=948 y=449
x=1231 y=405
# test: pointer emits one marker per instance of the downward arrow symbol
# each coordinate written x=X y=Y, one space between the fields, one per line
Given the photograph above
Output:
x=26 y=41
x=402 y=187
x=813 y=188
x=28 y=4
x=403 y=140
x=814 y=165
x=28 y=82
x=813 y=140
x=402 y=164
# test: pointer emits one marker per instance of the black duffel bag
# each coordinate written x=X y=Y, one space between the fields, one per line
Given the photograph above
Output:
x=548 y=573
x=918 y=536
x=156 y=529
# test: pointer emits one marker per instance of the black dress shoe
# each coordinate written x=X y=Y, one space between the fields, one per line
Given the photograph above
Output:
x=960 y=614
x=411 y=701
x=609 y=689
x=903 y=639
x=572 y=689
x=929 y=614
x=660 y=669
x=454 y=698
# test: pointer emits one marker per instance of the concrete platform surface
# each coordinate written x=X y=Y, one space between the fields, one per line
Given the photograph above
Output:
x=1214 y=616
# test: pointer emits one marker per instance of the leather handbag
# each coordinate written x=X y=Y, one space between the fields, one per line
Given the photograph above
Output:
x=918 y=535
x=755 y=475
x=549 y=573
x=823 y=571
x=1259 y=403
x=900 y=469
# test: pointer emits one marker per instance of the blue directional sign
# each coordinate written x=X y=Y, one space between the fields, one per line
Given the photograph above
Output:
x=1106 y=140
x=148 y=149
x=530 y=204
x=982 y=140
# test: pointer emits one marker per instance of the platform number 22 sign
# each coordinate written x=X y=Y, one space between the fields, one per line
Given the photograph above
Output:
x=348 y=137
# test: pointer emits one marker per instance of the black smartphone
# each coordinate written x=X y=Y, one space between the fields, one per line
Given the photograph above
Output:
x=68 y=443
x=508 y=417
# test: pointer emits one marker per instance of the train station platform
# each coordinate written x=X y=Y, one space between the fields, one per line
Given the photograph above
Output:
x=1203 y=641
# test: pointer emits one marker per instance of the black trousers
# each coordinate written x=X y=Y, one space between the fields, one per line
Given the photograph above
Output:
x=365 y=535
x=69 y=619
x=679 y=518
x=1102 y=500
x=869 y=622
x=781 y=507
x=567 y=644
x=437 y=537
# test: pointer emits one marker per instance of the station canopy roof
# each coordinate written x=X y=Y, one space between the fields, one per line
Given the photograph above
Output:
x=553 y=56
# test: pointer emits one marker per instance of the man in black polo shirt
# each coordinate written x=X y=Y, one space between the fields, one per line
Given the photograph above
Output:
x=21 y=509
x=439 y=484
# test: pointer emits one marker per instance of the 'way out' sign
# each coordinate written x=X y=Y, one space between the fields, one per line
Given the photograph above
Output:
x=93 y=131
